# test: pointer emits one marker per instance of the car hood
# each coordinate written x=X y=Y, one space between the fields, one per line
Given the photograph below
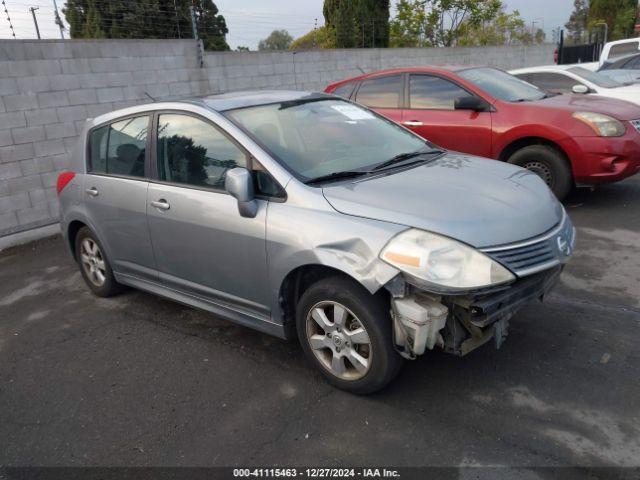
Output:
x=480 y=202
x=620 y=109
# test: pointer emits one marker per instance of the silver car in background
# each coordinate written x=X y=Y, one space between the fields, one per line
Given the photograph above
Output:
x=303 y=214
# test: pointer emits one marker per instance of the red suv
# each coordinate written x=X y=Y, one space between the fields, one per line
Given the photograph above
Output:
x=567 y=139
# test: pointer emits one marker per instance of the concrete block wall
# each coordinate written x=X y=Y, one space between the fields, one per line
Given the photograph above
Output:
x=48 y=88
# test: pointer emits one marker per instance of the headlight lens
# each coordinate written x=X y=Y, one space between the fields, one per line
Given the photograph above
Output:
x=443 y=262
x=603 y=125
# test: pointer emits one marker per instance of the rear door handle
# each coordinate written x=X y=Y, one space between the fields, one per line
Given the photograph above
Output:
x=93 y=191
x=413 y=123
x=161 y=204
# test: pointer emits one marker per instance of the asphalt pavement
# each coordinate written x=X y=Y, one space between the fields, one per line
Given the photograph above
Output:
x=138 y=380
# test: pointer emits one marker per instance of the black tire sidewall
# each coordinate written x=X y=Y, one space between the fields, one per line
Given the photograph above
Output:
x=110 y=286
x=554 y=160
x=374 y=314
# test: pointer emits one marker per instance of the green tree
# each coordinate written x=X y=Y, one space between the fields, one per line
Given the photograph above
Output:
x=358 y=23
x=439 y=23
x=146 y=19
x=93 y=25
x=277 y=40
x=619 y=15
x=505 y=29
x=408 y=27
x=578 y=21
x=321 y=37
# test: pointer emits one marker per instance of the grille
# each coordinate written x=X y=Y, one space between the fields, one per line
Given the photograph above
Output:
x=636 y=124
x=526 y=258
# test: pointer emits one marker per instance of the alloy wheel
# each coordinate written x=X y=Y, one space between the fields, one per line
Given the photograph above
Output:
x=93 y=262
x=338 y=340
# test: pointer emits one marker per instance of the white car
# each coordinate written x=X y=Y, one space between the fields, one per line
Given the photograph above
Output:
x=573 y=79
x=613 y=51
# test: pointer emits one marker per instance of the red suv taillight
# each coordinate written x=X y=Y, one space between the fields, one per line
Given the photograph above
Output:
x=63 y=180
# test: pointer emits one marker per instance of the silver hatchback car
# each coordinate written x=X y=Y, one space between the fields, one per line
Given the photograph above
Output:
x=304 y=214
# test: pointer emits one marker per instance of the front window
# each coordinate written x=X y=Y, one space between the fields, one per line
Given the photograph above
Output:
x=553 y=82
x=194 y=152
x=594 y=77
x=319 y=136
x=433 y=93
x=501 y=85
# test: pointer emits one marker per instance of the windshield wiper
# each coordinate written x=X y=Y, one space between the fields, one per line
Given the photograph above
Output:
x=337 y=176
x=405 y=156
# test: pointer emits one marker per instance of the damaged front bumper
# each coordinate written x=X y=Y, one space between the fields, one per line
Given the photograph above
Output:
x=460 y=324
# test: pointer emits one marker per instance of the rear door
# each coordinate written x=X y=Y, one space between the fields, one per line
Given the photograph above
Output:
x=115 y=193
x=430 y=113
x=382 y=94
x=203 y=247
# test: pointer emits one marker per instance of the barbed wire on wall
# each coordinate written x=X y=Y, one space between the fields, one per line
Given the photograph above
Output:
x=4 y=5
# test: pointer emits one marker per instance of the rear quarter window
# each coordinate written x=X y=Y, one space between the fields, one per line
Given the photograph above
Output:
x=119 y=148
x=98 y=150
x=345 y=90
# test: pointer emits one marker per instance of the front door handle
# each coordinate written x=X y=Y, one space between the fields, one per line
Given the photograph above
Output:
x=413 y=123
x=161 y=204
x=93 y=191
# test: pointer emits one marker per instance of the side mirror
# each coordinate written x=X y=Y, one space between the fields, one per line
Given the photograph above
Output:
x=581 y=89
x=470 y=102
x=239 y=184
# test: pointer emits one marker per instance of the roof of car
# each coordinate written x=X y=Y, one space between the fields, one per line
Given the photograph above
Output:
x=544 y=68
x=252 y=98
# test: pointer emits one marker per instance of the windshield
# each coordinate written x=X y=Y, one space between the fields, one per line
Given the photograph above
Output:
x=322 y=136
x=501 y=85
x=594 y=77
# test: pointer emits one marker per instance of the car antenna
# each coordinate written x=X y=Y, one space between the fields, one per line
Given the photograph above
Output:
x=150 y=96
x=361 y=70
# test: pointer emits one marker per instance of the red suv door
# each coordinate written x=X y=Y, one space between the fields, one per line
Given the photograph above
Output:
x=431 y=114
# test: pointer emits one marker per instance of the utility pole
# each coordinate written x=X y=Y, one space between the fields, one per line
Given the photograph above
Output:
x=58 y=20
x=35 y=20
x=194 y=28
x=175 y=9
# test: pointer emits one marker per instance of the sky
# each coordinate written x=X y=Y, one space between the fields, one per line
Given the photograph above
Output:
x=249 y=21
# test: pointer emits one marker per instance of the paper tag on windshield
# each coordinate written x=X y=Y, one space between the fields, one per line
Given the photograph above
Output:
x=352 y=112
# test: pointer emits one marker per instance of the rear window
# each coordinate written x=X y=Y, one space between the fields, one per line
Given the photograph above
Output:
x=380 y=92
x=119 y=148
x=624 y=49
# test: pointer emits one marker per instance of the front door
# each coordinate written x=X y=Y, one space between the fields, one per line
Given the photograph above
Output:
x=115 y=192
x=203 y=247
x=431 y=114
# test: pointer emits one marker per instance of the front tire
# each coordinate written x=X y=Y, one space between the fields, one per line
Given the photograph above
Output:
x=94 y=265
x=548 y=164
x=347 y=334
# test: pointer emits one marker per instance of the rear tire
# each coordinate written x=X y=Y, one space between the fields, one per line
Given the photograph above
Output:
x=94 y=265
x=548 y=164
x=347 y=334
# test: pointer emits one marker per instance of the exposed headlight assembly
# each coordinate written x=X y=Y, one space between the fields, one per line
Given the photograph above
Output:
x=602 y=125
x=443 y=262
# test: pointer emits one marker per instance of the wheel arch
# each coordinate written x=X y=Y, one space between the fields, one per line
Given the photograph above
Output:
x=72 y=233
x=523 y=142
x=297 y=281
